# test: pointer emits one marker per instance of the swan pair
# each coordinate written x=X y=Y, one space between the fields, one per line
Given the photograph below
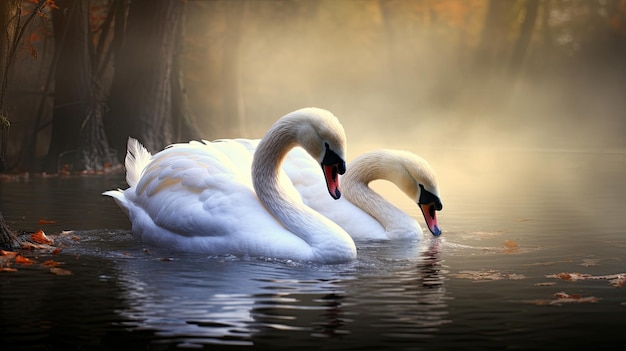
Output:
x=255 y=198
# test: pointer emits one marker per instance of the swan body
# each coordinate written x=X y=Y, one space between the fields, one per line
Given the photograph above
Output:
x=363 y=213
x=220 y=198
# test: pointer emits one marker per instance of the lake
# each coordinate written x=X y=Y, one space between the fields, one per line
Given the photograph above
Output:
x=532 y=257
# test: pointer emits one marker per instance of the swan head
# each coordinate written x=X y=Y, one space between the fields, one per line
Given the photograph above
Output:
x=418 y=180
x=324 y=138
x=429 y=203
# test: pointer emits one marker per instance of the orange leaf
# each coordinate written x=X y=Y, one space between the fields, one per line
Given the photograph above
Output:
x=9 y=254
x=511 y=246
x=23 y=260
x=51 y=263
x=41 y=238
x=7 y=269
x=60 y=271
x=45 y=221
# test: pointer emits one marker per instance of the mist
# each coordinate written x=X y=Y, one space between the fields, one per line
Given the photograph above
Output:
x=414 y=73
x=465 y=84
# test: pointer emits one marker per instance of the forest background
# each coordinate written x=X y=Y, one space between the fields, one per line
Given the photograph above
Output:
x=81 y=76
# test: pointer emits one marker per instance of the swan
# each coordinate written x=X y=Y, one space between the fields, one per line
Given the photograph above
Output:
x=218 y=198
x=363 y=213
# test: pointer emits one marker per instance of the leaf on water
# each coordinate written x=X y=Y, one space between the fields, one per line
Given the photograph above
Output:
x=51 y=263
x=31 y=246
x=545 y=284
x=23 y=260
x=45 y=221
x=40 y=238
x=7 y=269
x=9 y=254
x=60 y=271
x=616 y=280
x=563 y=298
x=511 y=246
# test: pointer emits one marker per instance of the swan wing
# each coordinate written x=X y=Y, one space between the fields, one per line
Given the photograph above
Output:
x=197 y=197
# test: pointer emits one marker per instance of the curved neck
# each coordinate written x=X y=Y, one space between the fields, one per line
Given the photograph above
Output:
x=355 y=187
x=327 y=240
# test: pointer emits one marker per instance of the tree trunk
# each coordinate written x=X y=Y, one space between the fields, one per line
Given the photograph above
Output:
x=8 y=13
x=141 y=100
x=7 y=235
x=72 y=82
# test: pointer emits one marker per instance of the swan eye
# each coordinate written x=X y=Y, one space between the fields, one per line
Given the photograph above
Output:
x=426 y=197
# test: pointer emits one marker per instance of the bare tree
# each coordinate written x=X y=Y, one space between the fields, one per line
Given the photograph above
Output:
x=145 y=100
x=77 y=141
x=10 y=21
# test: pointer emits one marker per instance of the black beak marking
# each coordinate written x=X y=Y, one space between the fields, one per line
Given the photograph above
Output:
x=426 y=197
x=332 y=159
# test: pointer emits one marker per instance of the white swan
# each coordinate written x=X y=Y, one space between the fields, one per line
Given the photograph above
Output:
x=363 y=213
x=202 y=197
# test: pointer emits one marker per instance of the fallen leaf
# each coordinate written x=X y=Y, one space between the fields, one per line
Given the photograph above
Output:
x=9 y=254
x=45 y=221
x=563 y=298
x=40 y=238
x=31 y=246
x=7 y=269
x=23 y=260
x=511 y=246
x=617 y=280
x=51 y=263
x=60 y=271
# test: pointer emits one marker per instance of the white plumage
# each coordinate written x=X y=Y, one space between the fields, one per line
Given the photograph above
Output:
x=218 y=198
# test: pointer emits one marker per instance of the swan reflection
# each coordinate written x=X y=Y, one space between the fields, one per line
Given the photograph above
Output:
x=198 y=300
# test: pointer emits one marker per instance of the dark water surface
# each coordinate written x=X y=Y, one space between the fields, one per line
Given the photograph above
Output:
x=511 y=220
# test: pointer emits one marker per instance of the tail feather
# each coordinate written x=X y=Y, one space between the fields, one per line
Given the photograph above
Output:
x=118 y=196
x=137 y=158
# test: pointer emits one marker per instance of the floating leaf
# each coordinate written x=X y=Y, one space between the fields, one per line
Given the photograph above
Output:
x=563 y=298
x=41 y=238
x=51 y=263
x=545 y=284
x=60 y=271
x=511 y=246
x=9 y=254
x=45 y=221
x=7 y=269
x=23 y=260
x=616 y=280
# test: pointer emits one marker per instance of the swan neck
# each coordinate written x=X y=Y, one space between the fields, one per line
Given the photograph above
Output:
x=327 y=240
x=356 y=189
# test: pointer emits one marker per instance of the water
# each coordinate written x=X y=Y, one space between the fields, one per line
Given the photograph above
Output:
x=511 y=219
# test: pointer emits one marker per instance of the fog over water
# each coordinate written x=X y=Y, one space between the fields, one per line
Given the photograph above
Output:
x=402 y=73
